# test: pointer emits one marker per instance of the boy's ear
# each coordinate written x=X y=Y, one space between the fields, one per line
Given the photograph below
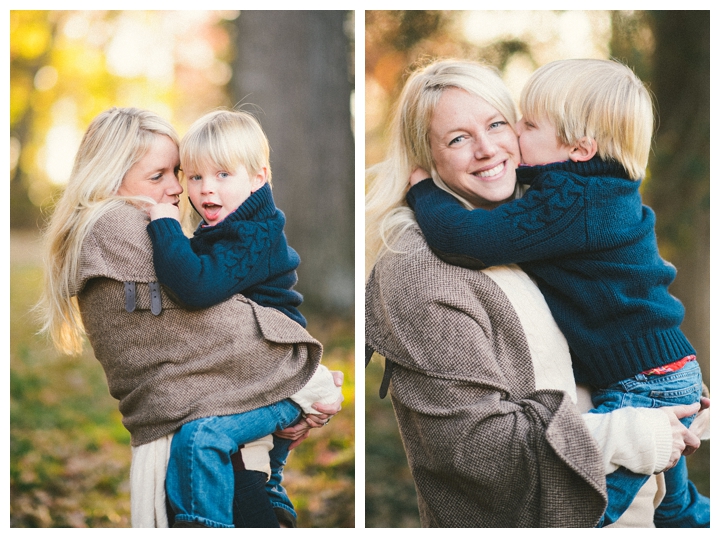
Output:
x=259 y=180
x=583 y=150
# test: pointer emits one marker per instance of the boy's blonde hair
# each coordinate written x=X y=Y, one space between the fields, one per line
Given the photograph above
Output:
x=600 y=99
x=115 y=140
x=228 y=139
x=387 y=214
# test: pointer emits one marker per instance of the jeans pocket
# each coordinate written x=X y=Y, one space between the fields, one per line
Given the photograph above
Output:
x=677 y=388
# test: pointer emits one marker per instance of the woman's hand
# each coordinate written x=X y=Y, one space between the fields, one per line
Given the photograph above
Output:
x=701 y=424
x=685 y=441
x=160 y=211
x=417 y=176
x=299 y=432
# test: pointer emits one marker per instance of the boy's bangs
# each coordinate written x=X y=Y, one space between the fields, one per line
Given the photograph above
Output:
x=207 y=153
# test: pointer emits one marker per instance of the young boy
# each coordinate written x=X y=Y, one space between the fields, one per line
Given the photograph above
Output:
x=581 y=230
x=239 y=247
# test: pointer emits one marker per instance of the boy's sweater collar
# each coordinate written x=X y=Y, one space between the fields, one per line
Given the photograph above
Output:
x=259 y=205
x=594 y=167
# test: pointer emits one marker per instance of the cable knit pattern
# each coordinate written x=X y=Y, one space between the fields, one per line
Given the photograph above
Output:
x=581 y=230
x=180 y=365
x=485 y=448
x=245 y=253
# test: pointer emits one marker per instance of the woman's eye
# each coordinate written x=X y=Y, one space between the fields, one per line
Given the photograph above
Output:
x=155 y=177
x=456 y=140
x=496 y=124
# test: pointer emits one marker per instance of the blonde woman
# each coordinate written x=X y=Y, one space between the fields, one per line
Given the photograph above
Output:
x=165 y=365
x=480 y=376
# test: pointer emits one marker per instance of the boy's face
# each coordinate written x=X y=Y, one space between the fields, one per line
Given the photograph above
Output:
x=539 y=143
x=216 y=192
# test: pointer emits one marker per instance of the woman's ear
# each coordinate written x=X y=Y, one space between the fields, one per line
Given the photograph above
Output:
x=259 y=179
x=583 y=150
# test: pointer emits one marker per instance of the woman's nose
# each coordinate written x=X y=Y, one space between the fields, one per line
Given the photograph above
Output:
x=175 y=189
x=484 y=148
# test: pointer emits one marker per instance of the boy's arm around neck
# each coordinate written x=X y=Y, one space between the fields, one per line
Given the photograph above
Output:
x=547 y=222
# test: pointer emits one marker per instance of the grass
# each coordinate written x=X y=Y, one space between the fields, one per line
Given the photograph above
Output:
x=70 y=454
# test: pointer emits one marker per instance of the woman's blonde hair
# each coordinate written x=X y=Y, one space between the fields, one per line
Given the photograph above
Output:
x=387 y=214
x=600 y=99
x=226 y=138
x=115 y=140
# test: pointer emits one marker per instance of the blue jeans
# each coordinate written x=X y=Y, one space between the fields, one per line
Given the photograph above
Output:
x=200 y=480
x=682 y=506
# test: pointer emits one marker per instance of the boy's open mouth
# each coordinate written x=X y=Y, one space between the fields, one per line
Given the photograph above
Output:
x=211 y=210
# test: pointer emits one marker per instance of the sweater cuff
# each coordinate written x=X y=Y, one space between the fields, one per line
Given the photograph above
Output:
x=164 y=227
x=663 y=440
x=423 y=188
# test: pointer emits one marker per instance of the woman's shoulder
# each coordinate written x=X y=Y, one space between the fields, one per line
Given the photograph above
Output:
x=117 y=246
x=410 y=273
x=411 y=254
x=408 y=248
x=120 y=218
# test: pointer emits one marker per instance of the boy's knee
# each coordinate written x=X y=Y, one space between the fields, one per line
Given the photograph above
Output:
x=202 y=434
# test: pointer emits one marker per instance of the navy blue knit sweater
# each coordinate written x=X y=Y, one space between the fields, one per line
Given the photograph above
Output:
x=581 y=230
x=245 y=253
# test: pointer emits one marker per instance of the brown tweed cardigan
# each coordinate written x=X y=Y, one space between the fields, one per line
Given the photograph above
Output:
x=485 y=448
x=179 y=365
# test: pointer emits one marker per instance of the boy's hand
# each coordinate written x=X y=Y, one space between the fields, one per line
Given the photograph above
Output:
x=417 y=176
x=160 y=211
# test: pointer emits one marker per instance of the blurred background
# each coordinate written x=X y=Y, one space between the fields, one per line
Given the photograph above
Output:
x=69 y=453
x=669 y=51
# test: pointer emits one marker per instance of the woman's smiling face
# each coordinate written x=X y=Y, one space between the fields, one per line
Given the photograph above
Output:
x=474 y=148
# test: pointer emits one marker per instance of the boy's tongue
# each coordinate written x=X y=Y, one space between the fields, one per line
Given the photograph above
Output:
x=212 y=212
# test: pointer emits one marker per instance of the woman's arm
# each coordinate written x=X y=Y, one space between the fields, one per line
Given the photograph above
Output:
x=301 y=430
x=643 y=440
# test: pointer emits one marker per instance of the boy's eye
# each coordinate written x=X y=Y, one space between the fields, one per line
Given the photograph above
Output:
x=194 y=177
x=223 y=175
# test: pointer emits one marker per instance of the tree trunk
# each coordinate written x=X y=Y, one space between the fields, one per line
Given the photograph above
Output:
x=679 y=188
x=294 y=66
